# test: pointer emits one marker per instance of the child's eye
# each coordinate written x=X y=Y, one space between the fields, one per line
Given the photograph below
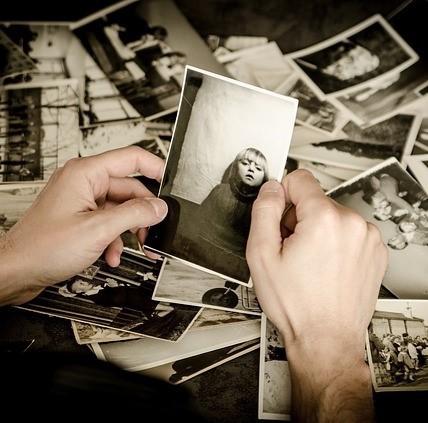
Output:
x=244 y=162
x=259 y=168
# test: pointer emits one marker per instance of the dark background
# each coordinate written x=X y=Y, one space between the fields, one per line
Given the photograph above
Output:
x=229 y=392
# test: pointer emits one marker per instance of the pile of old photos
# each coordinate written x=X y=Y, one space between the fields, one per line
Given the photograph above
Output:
x=116 y=79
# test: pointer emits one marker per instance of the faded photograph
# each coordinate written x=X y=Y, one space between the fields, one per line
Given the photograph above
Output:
x=421 y=142
x=418 y=165
x=397 y=345
x=214 y=171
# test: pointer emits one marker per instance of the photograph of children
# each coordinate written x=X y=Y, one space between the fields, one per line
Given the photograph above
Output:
x=136 y=58
x=274 y=375
x=39 y=129
x=367 y=147
x=117 y=298
x=397 y=345
x=15 y=200
x=367 y=52
x=419 y=167
x=390 y=198
x=214 y=171
x=145 y=353
x=182 y=284
x=421 y=142
x=180 y=371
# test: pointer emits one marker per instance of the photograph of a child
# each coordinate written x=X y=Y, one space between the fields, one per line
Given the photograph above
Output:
x=368 y=51
x=229 y=139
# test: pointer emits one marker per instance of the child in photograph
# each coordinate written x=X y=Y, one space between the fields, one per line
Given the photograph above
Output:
x=406 y=363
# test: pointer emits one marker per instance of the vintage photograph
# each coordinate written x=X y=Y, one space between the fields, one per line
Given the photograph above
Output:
x=183 y=284
x=117 y=298
x=390 y=198
x=214 y=171
x=367 y=147
x=180 y=371
x=365 y=53
x=210 y=317
x=397 y=345
x=421 y=142
x=326 y=181
x=145 y=353
x=136 y=58
x=419 y=166
x=39 y=129
x=274 y=375
x=15 y=199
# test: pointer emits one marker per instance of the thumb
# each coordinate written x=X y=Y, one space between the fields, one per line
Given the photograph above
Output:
x=138 y=212
x=265 y=230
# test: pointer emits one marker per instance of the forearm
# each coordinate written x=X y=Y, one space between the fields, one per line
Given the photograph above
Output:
x=329 y=385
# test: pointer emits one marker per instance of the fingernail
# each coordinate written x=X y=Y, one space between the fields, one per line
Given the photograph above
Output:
x=271 y=186
x=159 y=206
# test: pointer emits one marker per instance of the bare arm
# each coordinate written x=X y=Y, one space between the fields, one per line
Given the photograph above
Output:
x=318 y=285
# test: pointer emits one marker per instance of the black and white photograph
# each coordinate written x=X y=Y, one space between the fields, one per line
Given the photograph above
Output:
x=274 y=375
x=136 y=58
x=326 y=181
x=214 y=171
x=15 y=199
x=365 y=148
x=421 y=142
x=211 y=317
x=337 y=172
x=390 y=198
x=365 y=53
x=180 y=371
x=418 y=164
x=145 y=353
x=397 y=345
x=117 y=298
x=39 y=129
x=182 y=284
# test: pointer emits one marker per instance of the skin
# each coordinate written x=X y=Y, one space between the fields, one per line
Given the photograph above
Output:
x=250 y=172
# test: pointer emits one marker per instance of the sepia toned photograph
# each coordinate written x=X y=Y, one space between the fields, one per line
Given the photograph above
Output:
x=391 y=199
x=421 y=142
x=365 y=147
x=39 y=129
x=274 y=375
x=365 y=53
x=214 y=171
x=182 y=370
x=145 y=353
x=326 y=181
x=397 y=345
x=182 y=284
x=418 y=165
x=117 y=298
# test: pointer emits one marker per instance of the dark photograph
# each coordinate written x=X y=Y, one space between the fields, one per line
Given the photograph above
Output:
x=214 y=171
x=390 y=198
x=368 y=51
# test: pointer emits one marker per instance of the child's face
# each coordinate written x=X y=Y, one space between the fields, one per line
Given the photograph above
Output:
x=250 y=172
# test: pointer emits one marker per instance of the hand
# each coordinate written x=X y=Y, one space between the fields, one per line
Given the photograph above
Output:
x=84 y=208
x=319 y=283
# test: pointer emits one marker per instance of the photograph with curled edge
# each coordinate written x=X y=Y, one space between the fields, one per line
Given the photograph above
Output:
x=229 y=139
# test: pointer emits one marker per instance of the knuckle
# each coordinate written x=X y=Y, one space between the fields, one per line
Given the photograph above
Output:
x=357 y=223
x=329 y=214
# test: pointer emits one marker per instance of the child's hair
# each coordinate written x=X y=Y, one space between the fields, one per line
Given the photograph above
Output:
x=256 y=156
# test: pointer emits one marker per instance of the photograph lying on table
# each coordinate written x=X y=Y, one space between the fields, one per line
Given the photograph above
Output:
x=397 y=345
x=182 y=284
x=274 y=375
x=145 y=353
x=390 y=198
x=337 y=172
x=117 y=298
x=419 y=166
x=361 y=55
x=180 y=371
x=367 y=147
x=214 y=171
x=421 y=142
x=326 y=181
x=136 y=58
x=39 y=129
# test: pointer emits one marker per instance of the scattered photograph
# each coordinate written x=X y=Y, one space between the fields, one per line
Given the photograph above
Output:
x=214 y=171
x=397 y=346
x=365 y=53
x=390 y=198
x=421 y=142
x=419 y=166
x=337 y=172
x=210 y=317
x=182 y=284
x=85 y=333
x=39 y=129
x=145 y=353
x=117 y=298
x=15 y=199
x=367 y=147
x=274 y=375
x=180 y=371
x=221 y=46
x=136 y=58
x=326 y=181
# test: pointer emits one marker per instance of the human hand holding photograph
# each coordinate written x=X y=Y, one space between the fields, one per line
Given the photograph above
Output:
x=229 y=139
